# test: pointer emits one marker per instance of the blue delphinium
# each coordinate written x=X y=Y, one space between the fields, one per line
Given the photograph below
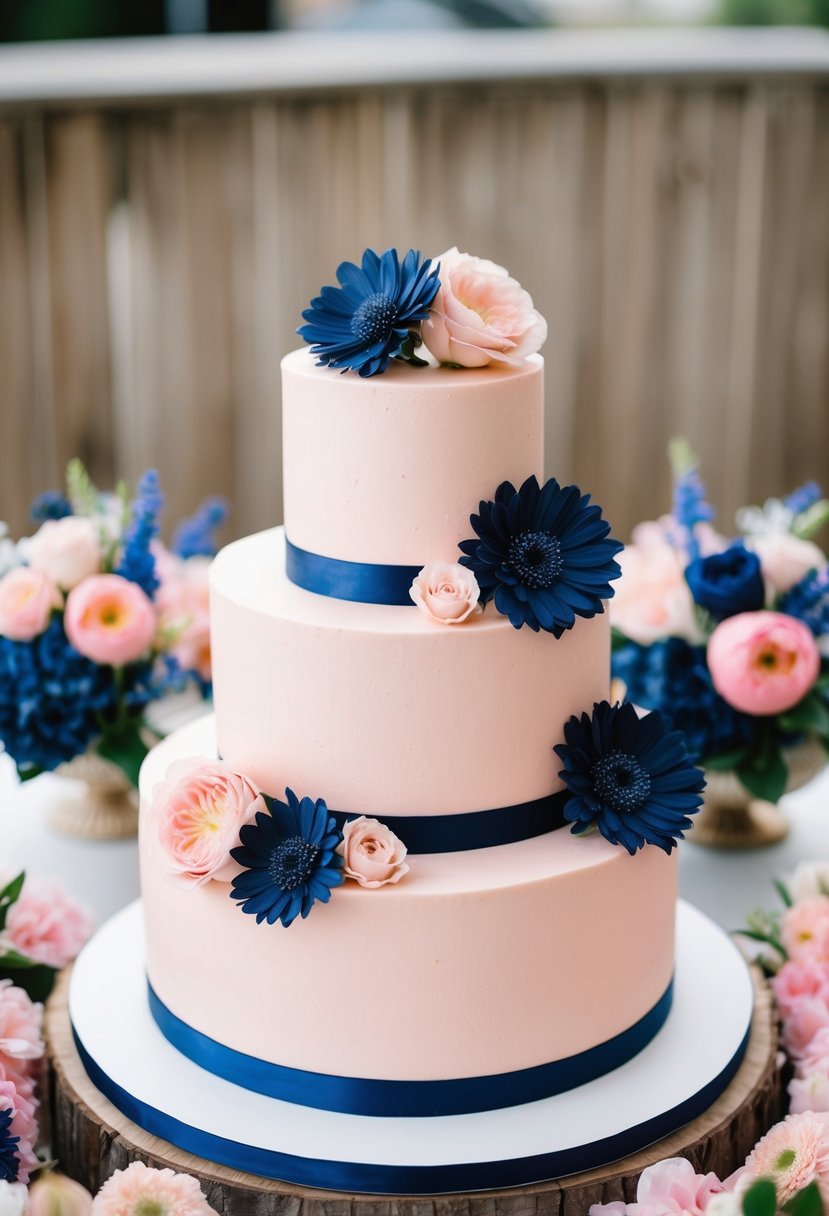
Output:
x=9 y=1144
x=808 y=600
x=630 y=777
x=196 y=536
x=543 y=554
x=803 y=498
x=289 y=860
x=727 y=583
x=673 y=676
x=690 y=505
x=364 y=322
x=50 y=505
x=137 y=562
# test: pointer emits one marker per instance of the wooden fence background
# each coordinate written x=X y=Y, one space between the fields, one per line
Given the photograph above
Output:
x=155 y=252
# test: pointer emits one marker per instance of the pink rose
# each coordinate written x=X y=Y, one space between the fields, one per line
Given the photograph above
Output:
x=448 y=594
x=27 y=599
x=199 y=810
x=54 y=1195
x=652 y=598
x=763 y=662
x=23 y=1125
x=785 y=559
x=480 y=315
x=110 y=620
x=373 y=855
x=800 y=978
x=68 y=550
x=804 y=930
x=669 y=1187
x=47 y=924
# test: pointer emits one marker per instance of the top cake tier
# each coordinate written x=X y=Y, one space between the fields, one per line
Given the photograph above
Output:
x=389 y=469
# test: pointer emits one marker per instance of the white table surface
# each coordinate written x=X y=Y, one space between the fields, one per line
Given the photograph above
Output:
x=726 y=885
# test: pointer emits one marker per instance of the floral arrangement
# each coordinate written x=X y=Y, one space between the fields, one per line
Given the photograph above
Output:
x=280 y=858
x=98 y=619
x=42 y=929
x=730 y=635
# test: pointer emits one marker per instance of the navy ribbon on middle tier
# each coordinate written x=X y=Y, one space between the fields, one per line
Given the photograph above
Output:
x=361 y=582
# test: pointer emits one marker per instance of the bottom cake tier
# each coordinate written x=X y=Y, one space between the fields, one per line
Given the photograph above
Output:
x=674 y=1079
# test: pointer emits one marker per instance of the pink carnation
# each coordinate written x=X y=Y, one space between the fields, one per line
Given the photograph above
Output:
x=47 y=924
x=20 y=1035
x=668 y=1187
x=804 y=1019
x=793 y=1154
x=110 y=620
x=804 y=930
x=139 y=1189
x=800 y=978
x=23 y=1125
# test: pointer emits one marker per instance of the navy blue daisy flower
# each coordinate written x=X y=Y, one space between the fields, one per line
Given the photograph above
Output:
x=364 y=322
x=628 y=776
x=9 y=1160
x=289 y=858
x=543 y=554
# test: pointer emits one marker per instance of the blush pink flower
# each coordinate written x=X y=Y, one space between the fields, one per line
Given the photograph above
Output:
x=804 y=930
x=55 y=1195
x=23 y=1125
x=480 y=315
x=652 y=599
x=669 y=1187
x=793 y=1154
x=763 y=662
x=799 y=978
x=21 y=1022
x=110 y=620
x=373 y=855
x=199 y=810
x=68 y=550
x=447 y=593
x=183 y=606
x=139 y=1190
x=785 y=559
x=47 y=924
x=815 y=1055
x=27 y=600
x=809 y=1092
x=804 y=1019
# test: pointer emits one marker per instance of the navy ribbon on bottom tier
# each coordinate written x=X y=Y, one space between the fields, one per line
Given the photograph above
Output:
x=405 y=1099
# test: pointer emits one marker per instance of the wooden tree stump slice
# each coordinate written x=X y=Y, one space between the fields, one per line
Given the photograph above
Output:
x=91 y=1139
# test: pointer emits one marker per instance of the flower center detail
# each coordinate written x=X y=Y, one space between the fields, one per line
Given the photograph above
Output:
x=150 y=1207
x=620 y=781
x=292 y=862
x=536 y=558
x=374 y=318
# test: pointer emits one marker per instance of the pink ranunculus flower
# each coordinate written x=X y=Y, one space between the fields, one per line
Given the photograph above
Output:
x=480 y=315
x=447 y=593
x=68 y=550
x=669 y=1187
x=55 y=1195
x=794 y=1153
x=373 y=855
x=199 y=810
x=27 y=600
x=23 y=1125
x=785 y=559
x=804 y=929
x=799 y=978
x=652 y=599
x=763 y=662
x=139 y=1189
x=110 y=620
x=47 y=924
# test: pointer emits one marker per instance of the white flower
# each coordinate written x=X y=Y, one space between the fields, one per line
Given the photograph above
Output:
x=10 y=555
x=773 y=517
x=13 y=1199
x=809 y=879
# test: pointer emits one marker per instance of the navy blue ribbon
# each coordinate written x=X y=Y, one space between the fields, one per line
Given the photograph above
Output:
x=373 y=1179
x=363 y=582
x=392 y=1099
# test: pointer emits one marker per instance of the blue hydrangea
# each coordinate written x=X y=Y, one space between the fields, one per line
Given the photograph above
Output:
x=673 y=676
x=196 y=536
x=366 y=321
x=137 y=562
x=50 y=505
x=808 y=600
x=9 y=1144
x=630 y=777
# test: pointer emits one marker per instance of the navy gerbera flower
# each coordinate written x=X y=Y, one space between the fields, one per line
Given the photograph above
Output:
x=289 y=858
x=628 y=776
x=544 y=555
x=367 y=319
x=9 y=1160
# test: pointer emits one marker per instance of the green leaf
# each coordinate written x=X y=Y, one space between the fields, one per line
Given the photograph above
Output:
x=764 y=772
x=681 y=455
x=10 y=895
x=36 y=979
x=80 y=489
x=12 y=959
x=809 y=522
x=765 y=939
x=726 y=761
x=806 y=1202
x=28 y=772
x=761 y=1198
x=809 y=716
x=784 y=893
x=126 y=748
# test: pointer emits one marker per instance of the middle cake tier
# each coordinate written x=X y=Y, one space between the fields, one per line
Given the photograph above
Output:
x=381 y=711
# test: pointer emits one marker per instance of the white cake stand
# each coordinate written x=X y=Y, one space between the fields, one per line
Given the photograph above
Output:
x=670 y=1083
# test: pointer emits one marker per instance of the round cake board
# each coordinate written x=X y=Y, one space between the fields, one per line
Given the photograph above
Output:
x=92 y=1136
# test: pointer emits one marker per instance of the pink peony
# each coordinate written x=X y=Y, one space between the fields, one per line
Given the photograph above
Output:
x=55 y=1195
x=199 y=810
x=23 y=1125
x=47 y=924
x=27 y=599
x=797 y=979
x=373 y=854
x=785 y=559
x=480 y=315
x=652 y=598
x=110 y=620
x=446 y=593
x=793 y=1154
x=670 y=1186
x=763 y=662
x=67 y=550
x=139 y=1190
x=804 y=930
